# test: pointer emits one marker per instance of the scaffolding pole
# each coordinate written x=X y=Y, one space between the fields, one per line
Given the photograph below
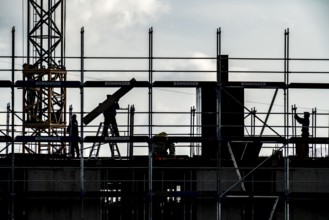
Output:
x=150 y=155
x=12 y=176
x=219 y=123
x=82 y=177
x=286 y=122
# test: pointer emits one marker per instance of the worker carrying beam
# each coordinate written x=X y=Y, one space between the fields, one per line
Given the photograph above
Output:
x=108 y=102
x=110 y=120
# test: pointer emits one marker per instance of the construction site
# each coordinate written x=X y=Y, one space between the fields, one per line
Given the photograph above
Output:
x=66 y=155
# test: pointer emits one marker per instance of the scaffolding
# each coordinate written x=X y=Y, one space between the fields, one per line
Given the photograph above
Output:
x=220 y=172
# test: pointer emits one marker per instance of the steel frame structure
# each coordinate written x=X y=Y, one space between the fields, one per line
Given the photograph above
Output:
x=222 y=192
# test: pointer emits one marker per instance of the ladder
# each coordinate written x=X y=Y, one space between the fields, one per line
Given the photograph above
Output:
x=94 y=152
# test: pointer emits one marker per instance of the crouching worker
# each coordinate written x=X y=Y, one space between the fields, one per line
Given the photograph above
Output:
x=161 y=148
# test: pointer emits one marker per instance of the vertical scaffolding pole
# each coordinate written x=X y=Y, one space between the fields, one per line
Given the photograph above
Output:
x=12 y=176
x=218 y=113
x=192 y=128
x=314 y=134
x=81 y=125
x=131 y=123
x=150 y=157
x=63 y=31
x=286 y=122
x=8 y=127
x=293 y=126
x=70 y=131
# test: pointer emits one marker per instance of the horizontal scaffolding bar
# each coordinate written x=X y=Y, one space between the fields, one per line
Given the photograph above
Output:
x=71 y=84
x=116 y=83
x=184 y=84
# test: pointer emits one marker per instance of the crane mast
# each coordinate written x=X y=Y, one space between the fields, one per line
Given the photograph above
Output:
x=44 y=99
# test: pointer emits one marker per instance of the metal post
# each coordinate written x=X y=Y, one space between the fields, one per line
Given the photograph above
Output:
x=49 y=35
x=150 y=157
x=81 y=124
x=41 y=41
x=198 y=118
x=63 y=31
x=28 y=28
x=70 y=131
x=253 y=122
x=286 y=123
x=218 y=113
x=293 y=125
x=131 y=130
x=192 y=127
x=7 y=127
x=12 y=180
x=314 y=131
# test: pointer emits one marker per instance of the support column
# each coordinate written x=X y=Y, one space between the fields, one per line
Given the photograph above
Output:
x=82 y=190
x=150 y=157
x=219 y=113
x=12 y=176
x=286 y=123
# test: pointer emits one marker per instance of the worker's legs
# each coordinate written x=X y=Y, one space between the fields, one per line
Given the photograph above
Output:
x=75 y=149
x=105 y=130
x=115 y=130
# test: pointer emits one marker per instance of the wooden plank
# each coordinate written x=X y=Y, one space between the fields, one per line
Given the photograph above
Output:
x=108 y=102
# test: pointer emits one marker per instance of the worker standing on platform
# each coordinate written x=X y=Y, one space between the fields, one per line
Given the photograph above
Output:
x=109 y=119
x=305 y=122
x=73 y=131
x=302 y=148
x=30 y=95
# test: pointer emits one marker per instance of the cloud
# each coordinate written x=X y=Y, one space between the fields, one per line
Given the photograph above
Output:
x=199 y=62
x=116 y=13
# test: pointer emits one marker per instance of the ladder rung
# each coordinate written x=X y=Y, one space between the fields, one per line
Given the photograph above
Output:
x=96 y=146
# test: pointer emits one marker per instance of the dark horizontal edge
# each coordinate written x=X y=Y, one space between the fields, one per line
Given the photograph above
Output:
x=309 y=140
x=5 y=83
x=309 y=85
x=120 y=139
x=192 y=84
x=180 y=139
x=72 y=84
x=116 y=83
x=47 y=139
x=5 y=139
x=255 y=139
x=254 y=84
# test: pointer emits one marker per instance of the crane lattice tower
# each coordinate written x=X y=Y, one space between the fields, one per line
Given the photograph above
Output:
x=44 y=99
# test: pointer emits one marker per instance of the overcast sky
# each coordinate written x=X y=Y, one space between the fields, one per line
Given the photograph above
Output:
x=253 y=28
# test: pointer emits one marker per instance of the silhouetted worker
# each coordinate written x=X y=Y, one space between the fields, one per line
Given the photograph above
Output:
x=160 y=148
x=302 y=148
x=73 y=131
x=30 y=94
x=305 y=122
x=109 y=119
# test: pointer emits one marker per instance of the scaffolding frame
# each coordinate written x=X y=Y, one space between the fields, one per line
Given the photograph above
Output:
x=285 y=140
